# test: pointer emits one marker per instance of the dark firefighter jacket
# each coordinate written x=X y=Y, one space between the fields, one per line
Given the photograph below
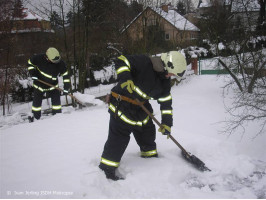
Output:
x=40 y=67
x=149 y=84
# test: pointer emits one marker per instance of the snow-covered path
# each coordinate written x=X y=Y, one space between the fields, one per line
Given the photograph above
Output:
x=58 y=157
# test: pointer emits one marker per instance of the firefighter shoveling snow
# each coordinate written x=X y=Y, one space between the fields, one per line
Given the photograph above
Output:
x=58 y=156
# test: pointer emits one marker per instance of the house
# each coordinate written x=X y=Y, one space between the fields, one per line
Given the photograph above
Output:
x=207 y=8
x=31 y=23
x=243 y=14
x=174 y=27
x=22 y=37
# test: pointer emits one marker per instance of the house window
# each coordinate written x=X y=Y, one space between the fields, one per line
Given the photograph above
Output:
x=144 y=21
x=167 y=36
x=193 y=36
x=152 y=22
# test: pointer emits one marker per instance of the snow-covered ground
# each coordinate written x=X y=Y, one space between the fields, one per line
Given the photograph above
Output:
x=58 y=156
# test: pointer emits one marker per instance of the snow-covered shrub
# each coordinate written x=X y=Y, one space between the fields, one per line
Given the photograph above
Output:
x=106 y=76
x=196 y=52
x=21 y=87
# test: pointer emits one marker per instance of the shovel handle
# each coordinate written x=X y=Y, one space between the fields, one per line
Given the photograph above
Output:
x=191 y=158
x=73 y=97
x=161 y=126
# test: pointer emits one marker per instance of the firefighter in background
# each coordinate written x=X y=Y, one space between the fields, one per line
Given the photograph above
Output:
x=47 y=67
x=144 y=78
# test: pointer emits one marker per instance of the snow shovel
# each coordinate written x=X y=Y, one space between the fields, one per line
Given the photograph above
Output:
x=73 y=97
x=188 y=156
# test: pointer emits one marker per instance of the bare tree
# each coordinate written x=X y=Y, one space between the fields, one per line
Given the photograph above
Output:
x=247 y=67
x=9 y=10
x=246 y=108
x=184 y=6
x=232 y=24
x=262 y=17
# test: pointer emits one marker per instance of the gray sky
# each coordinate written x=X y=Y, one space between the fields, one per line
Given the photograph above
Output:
x=43 y=7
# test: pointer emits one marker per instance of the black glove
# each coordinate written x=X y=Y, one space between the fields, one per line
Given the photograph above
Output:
x=66 y=88
x=65 y=92
x=34 y=75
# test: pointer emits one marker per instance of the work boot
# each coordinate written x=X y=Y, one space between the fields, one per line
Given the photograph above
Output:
x=144 y=153
x=152 y=156
x=110 y=172
x=31 y=119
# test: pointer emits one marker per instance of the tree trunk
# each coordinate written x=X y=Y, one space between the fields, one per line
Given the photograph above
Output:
x=252 y=82
x=231 y=74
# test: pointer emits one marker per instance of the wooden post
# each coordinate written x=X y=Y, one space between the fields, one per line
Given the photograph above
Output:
x=194 y=65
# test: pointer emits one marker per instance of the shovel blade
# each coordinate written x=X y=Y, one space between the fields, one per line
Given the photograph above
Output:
x=195 y=161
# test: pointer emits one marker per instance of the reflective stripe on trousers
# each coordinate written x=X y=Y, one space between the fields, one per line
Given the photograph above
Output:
x=127 y=120
x=149 y=153
x=109 y=162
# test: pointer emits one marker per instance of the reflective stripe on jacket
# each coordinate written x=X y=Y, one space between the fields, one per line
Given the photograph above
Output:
x=149 y=85
x=40 y=68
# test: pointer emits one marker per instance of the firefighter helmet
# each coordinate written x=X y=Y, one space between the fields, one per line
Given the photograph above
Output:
x=174 y=62
x=53 y=55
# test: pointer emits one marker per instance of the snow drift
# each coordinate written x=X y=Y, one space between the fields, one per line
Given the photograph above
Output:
x=58 y=156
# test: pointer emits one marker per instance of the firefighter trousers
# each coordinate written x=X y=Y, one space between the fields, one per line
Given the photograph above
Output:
x=37 y=102
x=119 y=137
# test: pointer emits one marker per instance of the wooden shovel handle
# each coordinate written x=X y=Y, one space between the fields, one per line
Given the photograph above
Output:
x=73 y=97
x=161 y=126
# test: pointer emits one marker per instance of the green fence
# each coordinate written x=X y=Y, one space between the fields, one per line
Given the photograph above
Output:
x=202 y=72
x=211 y=66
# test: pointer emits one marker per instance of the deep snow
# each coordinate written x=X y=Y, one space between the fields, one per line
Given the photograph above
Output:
x=58 y=156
